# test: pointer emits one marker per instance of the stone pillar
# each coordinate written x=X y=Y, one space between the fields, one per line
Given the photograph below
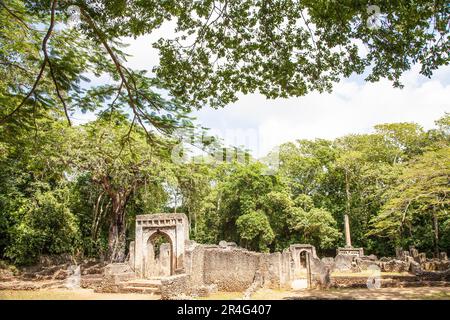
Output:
x=399 y=253
x=132 y=250
x=348 y=241
x=348 y=249
x=138 y=250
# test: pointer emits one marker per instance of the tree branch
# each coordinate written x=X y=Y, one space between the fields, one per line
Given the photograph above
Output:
x=58 y=93
x=15 y=16
x=41 y=71
x=117 y=64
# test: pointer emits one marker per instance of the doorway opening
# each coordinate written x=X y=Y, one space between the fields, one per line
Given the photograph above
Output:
x=160 y=255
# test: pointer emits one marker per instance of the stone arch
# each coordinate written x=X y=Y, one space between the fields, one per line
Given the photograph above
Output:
x=301 y=255
x=175 y=227
x=303 y=259
x=159 y=260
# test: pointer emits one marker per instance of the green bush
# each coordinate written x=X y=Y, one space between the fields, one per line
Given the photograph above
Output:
x=47 y=227
x=254 y=228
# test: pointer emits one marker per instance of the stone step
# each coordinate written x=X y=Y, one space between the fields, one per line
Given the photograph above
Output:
x=144 y=286
x=412 y=284
x=143 y=290
x=91 y=281
x=144 y=283
x=126 y=276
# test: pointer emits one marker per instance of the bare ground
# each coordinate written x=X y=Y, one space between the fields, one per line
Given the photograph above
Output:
x=263 y=294
x=346 y=294
x=65 y=294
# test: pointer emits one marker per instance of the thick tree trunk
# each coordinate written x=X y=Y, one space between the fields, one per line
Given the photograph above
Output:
x=436 y=233
x=117 y=230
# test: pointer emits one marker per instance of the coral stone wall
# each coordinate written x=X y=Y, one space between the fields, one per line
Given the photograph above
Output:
x=194 y=263
x=235 y=269
x=230 y=269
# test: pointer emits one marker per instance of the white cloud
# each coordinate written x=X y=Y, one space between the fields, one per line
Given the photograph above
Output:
x=351 y=108
x=354 y=106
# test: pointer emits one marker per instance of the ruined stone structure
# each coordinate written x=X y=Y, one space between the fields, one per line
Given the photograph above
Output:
x=175 y=229
x=349 y=250
x=163 y=261
x=184 y=266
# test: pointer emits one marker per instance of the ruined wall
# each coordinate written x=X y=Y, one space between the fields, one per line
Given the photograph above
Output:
x=194 y=263
x=287 y=274
x=320 y=273
x=175 y=286
x=235 y=269
x=230 y=269
x=271 y=270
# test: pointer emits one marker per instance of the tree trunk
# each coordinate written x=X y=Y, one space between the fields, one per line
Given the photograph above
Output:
x=436 y=233
x=117 y=229
x=348 y=194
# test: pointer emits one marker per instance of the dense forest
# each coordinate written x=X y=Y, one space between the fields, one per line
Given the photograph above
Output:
x=68 y=189
x=75 y=189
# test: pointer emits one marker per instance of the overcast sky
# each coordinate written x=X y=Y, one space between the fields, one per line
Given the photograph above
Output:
x=354 y=106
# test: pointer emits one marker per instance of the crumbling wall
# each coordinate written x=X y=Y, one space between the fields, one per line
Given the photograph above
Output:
x=271 y=270
x=320 y=273
x=287 y=274
x=194 y=263
x=175 y=286
x=234 y=269
x=230 y=269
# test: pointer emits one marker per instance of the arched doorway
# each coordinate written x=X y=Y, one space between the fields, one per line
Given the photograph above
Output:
x=175 y=226
x=303 y=264
x=159 y=256
x=302 y=269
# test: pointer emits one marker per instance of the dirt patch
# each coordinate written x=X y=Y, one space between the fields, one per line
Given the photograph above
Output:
x=62 y=294
x=423 y=293
x=359 y=294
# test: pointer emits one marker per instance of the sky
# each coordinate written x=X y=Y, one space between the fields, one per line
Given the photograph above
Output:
x=354 y=106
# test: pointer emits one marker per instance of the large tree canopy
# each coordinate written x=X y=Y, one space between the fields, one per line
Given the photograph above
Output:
x=219 y=48
x=77 y=190
x=89 y=181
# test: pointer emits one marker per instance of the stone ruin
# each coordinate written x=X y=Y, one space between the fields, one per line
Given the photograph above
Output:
x=405 y=261
x=185 y=267
x=349 y=250
x=353 y=259
x=179 y=267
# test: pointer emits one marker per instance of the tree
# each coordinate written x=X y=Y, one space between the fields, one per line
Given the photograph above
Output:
x=316 y=226
x=46 y=227
x=305 y=163
x=60 y=83
x=221 y=48
x=255 y=231
x=118 y=159
x=408 y=139
x=194 y=181
x=31 y=177
x=419 y=199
